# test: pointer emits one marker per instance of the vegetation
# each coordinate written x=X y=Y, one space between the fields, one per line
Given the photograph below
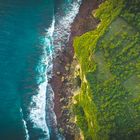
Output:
x=108 y=105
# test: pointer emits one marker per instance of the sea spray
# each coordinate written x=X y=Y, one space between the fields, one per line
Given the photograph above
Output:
x=25 y=126
x=40 y=117
x=60 y=38
x=61 y=34
x=50 y=115
x=38 y=112
x=41 y=112
x=63 y=24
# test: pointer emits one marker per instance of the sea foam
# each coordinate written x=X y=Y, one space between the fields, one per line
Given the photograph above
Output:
x=63 y=27
x=37 y=113
x=25 y=126
x=41 y=109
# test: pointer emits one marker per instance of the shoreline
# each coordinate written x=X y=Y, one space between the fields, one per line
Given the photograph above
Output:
x=62 y=80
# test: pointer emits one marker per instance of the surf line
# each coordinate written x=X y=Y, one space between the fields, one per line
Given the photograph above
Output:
x=38 y=111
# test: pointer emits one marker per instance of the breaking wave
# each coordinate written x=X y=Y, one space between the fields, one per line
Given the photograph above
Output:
x=63 y=25
x=38 y=104
x=41 y=107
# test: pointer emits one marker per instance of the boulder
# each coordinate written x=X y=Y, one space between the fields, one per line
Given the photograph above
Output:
x=62 y=99
x=58 y=73
x=63 y=78
x=66 y=68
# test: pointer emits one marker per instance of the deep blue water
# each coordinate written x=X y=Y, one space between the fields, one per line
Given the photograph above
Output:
x=26 y=45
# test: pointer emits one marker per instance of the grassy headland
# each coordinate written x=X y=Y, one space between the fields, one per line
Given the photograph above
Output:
x=108 y=104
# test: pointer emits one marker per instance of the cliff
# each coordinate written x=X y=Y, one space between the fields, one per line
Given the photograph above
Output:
x=107 y=106
x=63 y=81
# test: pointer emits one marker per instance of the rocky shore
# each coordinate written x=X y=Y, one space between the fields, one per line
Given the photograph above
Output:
x=62 y=81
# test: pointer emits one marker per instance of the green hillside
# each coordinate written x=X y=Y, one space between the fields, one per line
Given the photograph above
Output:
x=108 y=105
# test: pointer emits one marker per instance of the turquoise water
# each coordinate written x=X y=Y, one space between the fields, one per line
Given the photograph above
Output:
x=28 y=30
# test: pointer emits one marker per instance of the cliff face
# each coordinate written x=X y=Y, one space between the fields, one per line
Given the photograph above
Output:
x=62 y=81
x=108 y=104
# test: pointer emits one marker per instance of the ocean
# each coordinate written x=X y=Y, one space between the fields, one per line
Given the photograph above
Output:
x=31 y=32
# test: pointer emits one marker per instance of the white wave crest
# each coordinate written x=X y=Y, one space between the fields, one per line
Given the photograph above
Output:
x=63 y=27
x=41 y=113
x=38 y=105
x=25 y=126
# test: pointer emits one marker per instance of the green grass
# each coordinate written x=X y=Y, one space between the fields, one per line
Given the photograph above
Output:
x=108 y=106
x=102 y=66
x=133 y=85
